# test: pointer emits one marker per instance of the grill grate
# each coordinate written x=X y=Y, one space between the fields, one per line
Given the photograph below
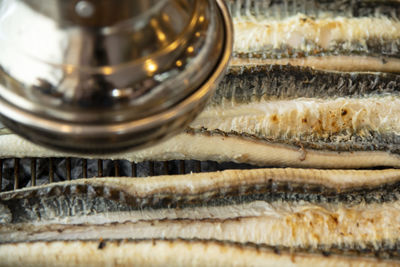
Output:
x=33 y=172
x=16 y=173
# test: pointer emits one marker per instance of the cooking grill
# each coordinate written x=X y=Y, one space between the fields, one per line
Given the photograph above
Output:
x=17 y=173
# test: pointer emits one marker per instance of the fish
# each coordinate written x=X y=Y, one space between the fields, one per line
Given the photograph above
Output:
x=319 y=211
x=307 y=132
x=312 y=84
x=171 y=253
x=301 y=132
x=282 y=194
x=306 y=115
x=323 y=34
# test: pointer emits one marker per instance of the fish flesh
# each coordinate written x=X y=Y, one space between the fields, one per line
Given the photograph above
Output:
x=324 y=34
x=319 y=211
x=171 y=253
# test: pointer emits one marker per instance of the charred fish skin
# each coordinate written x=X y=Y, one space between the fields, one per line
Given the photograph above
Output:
x=297 y=208
x=88 y=197
x=64 y=201
x=246 y=84
x=278 y=9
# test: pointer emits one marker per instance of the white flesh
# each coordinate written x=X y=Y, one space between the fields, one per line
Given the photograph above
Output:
x=296 y=31
x=165 y=253
x=335 y=63
x=302 y=117
x=198 y=183
x=221 y=149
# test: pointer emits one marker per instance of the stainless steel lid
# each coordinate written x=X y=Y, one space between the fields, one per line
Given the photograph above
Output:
x=97 y=76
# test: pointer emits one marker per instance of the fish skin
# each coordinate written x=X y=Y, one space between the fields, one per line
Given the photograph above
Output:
x=245 y=84
x=277 y=10
x=240 y=206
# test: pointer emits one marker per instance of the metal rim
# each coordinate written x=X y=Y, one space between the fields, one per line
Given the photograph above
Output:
x=192 y=101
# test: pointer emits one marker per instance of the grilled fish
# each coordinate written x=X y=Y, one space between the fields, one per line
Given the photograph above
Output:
x=172 y=253
x=319 y=211
x=312 y=84
x=307 y=88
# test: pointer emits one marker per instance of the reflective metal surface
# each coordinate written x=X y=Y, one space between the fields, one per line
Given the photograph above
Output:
x=100 y=76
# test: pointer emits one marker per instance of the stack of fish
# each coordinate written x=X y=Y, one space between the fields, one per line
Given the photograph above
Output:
x=311 y=95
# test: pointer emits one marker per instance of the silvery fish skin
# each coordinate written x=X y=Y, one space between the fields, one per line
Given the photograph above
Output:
x=314 y=211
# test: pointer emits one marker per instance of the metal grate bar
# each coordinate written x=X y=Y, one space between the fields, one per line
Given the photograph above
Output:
x=151 y=168
x=181 y=167
x=16 y=173
x=100 y=168
x=33 y=171
x=84 y=168
x=68 y=168
x=19 y=172
x=133 y=168
x=1 y=173
x=165 y=167
x=197 y=166
x=51 y=170
x=116 y=168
